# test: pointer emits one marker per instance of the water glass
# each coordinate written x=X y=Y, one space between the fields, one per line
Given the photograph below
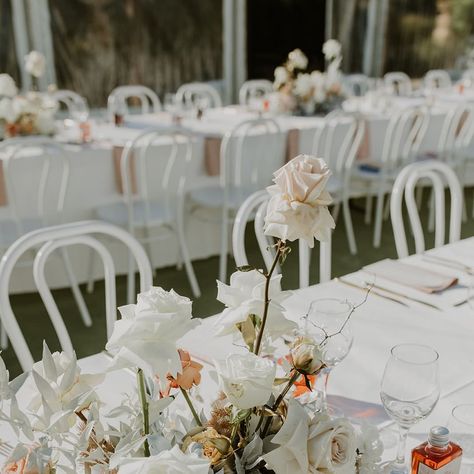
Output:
x=461 y=426
x=409 y=391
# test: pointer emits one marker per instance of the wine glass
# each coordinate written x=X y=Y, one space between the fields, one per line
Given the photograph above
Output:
x=461 y=427
x=327 y=323
x=409 y=391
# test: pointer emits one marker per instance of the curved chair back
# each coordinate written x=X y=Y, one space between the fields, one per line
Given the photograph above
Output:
x=48 y=240
x=150 y=186
x=437 y=78
x=198 y=94
x=357 y=84
x=118 y=98
x=255 y=207
x=439 y=174
x=254 y=88
x=45 y=159
x=468 y=75
x=75 y=103
x=398 y=82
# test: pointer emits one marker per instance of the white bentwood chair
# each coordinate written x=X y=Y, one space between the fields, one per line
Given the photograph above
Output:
x=255 y=207
x=254 y=88
x=338 y=141
x=249 y=155
x=357 y=84
x=468 y=75
x=160 y=157
x=404 y=187
x=198 y=94
x=75 y=104
x=47 y=167
x=118 y=100
x=398 y=82
x=437 y=78
x=48 y=240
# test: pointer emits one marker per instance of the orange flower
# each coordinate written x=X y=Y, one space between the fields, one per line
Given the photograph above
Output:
x=300 y=385
x=190 y=374
x=19 y=467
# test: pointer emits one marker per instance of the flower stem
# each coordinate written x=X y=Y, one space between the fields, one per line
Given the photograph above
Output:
x=294 y=377
x=144 y=403
x=191 y=406
x=268 y=277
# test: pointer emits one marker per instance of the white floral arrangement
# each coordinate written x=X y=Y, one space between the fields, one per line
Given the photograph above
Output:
x=255 y=424
x=31 y=113
x=309 y=92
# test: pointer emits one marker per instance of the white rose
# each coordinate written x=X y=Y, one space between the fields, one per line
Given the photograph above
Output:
x=35 y=63
x=331 y=48
x=331 y=444
x=246 y=295
x=297 y=59
x=7 y=112
x=146 y=335
x=247 y=380
x=173 y=461
x=22 y=105
x=298 y=206
x=7 y=86
x=306 y=356
x=281 y=77
x=303 y=85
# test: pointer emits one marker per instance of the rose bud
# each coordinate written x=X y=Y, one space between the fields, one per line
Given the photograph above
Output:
x=306 y=356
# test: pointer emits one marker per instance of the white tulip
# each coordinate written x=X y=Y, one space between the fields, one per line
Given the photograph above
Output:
x=7 y=86
x=281 y=77
x=246 y=380
x=331 y=48
x=35 y=63
x=297 y=59
x=303 y=85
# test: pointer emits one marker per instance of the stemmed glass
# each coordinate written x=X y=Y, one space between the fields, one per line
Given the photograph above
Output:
x=461 y=427
x=409 y=391
x=327 y=323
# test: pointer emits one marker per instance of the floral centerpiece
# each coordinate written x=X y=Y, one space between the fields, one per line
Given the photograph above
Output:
x=304 y=92
x=31 y=113
x=254 y=421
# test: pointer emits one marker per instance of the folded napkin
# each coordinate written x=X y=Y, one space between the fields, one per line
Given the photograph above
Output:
x=412 y=276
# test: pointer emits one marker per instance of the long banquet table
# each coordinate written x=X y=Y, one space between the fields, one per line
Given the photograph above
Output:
x=377 y=325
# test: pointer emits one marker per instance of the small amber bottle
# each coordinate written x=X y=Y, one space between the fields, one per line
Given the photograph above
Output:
x=437 y=454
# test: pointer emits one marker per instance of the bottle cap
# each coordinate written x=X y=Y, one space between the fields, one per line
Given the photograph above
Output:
x=439 y=436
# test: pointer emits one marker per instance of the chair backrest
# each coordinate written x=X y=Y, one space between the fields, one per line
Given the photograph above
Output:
x=339 y=140
x=239 y=170
x=46 y=166
x=398 y=82
x=118 y=100
x=48 y=240
x=357 y=84
x=437 y=78
x=255 y=207
x=439 y=174
x=403 y=137
x=157 y=172
x=198 y=94
x=468 y=75
x=254 y=88
x=76 y=105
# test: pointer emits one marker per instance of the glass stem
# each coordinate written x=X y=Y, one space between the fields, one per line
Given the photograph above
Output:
x=402 y=441
x=321 y=387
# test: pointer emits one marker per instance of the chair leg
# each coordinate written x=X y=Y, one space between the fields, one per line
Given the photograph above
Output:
x=419 y=197
x=335 y=211
x=131 y=279
x=224 y=247
x=90 y=271
x=368 y=209
x=148 y=249
x=386 y=212
x=3 y=338
x=76 y=291
x=378 y=219
x=188 y=264
x=431 y=214
x=346 y=211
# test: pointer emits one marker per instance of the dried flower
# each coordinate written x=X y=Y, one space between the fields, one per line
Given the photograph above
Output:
x=190 y=374
x=209 y=443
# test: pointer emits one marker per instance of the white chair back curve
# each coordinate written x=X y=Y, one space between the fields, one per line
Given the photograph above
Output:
x=468 y=75
x=74 y=102
x=398 y=82
x=438 y=173
x=198 y=94
x=437 y=78
x=255 y=206
x=172 y=181
x=27 y=154
x=254 y=88
x=117 y=100
x=357 y=84
x=48 y=240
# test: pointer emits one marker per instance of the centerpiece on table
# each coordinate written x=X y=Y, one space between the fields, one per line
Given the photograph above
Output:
x=252 y=419
x=31 y=113
x=308 y=93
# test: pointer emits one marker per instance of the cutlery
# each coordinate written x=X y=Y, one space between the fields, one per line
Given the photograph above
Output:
x=366 y=288
x=449 y=263
x=401 y=295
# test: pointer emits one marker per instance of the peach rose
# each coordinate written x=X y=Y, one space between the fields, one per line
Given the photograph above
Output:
x=190 y=374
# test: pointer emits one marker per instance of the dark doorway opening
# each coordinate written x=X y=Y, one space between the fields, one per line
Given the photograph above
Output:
x=275 y=27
